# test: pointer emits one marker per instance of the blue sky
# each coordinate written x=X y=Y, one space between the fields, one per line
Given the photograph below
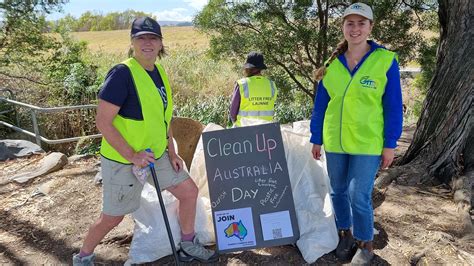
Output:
x=178 y=10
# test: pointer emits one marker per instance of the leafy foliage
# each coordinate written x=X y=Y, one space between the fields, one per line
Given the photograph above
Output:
x=87 y=146
x=427 y=60
x=297 y=36
x=293 y=106
x=94 y=21
x=54 y=66
x=22 y=42
x=76 y=78
x=210 y=110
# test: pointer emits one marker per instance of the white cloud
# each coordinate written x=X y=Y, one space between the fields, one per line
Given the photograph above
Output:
x=197 y=4
x=175 y=14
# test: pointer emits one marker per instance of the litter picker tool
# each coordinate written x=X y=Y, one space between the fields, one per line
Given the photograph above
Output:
x=163 y=210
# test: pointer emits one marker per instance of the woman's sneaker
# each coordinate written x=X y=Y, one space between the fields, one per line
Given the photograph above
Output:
x=362 y=257
x=346 y=246
x=193 y=250
x=84 y=261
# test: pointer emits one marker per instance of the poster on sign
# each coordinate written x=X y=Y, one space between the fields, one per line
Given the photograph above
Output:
x=249 y=187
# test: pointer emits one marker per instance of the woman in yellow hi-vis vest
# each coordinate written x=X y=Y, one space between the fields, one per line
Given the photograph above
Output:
x=254 y=96
x=357 y=117
x=134 y=114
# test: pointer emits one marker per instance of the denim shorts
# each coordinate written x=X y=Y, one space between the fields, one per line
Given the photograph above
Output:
x=122 y=190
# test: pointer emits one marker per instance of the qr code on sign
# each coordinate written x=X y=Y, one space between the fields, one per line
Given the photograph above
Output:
x=277 y=233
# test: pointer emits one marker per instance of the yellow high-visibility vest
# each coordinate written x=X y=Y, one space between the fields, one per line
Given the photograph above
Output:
x=152 y=131
x=354 y=121
x=257 y=98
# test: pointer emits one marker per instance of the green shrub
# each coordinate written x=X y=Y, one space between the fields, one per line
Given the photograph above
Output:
x=75 y=78
x=293 y=106
x=288 y=108
x=87 y=146
x=207 y=110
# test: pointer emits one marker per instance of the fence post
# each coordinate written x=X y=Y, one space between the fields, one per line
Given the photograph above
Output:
x=35 y=127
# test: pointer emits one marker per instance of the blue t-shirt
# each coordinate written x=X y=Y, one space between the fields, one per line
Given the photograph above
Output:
x=119 y=89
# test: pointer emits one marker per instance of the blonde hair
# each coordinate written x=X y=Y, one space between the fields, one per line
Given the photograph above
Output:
x=340 y=49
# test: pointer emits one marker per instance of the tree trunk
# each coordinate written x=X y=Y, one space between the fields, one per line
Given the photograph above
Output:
x=443 y=139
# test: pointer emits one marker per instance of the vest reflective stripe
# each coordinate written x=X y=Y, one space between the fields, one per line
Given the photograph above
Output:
x=152 y=131
x=257 y=98
x=256 y=113
x=245 y=87
x=272 y=85
x=354 y=122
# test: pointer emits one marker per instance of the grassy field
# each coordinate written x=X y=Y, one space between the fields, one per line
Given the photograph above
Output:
x=118 y=41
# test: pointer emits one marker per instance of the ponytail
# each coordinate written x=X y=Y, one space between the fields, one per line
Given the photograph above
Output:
x=340 y=49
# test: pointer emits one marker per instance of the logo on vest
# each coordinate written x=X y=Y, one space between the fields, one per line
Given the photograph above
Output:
x=368 y=83
x=162 y=92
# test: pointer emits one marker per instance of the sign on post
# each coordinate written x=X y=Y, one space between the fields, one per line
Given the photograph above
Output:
x=250 y=191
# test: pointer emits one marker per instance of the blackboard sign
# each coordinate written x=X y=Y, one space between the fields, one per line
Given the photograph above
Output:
x=250 y=191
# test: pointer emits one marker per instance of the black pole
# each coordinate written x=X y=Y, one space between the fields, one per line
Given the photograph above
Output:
x=163 y=210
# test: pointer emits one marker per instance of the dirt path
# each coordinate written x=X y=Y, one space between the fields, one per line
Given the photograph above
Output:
x=414 y=225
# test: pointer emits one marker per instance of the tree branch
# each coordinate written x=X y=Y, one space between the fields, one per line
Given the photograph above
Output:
x=282 y=16
x=321 y=22
x=23 y=78
x=415 y=7
x=248 y=26
x=308 y=53
x=325 y=42
x=339 y=4
x=292 y=76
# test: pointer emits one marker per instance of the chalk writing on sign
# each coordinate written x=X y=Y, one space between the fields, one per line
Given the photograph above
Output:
x=248 y=177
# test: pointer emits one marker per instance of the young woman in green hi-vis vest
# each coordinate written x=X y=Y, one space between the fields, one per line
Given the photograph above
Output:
x=357 y=118
x=134 y=114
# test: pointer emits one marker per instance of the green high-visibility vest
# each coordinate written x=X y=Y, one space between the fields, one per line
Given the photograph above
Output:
x=257 y=98
x=354 y=121
x=152 y=131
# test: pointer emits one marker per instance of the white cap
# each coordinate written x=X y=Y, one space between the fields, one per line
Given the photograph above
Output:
x=360 y=9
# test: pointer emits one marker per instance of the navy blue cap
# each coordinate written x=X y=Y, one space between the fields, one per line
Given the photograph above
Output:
x=145 y=25
x=255 y=60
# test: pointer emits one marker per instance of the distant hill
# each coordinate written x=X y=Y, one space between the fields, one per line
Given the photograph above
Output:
x=175 y=23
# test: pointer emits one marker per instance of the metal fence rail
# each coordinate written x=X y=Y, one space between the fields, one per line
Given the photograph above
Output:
x=12 y=96
x=34 y=110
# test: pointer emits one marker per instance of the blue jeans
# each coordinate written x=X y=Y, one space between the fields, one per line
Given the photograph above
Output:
x=352 y=181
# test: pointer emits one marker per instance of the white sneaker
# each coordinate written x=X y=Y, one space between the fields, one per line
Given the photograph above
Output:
x=194 y=250
x=84 y=261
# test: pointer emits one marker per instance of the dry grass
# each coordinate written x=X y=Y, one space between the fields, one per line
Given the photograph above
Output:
x=118 y=41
